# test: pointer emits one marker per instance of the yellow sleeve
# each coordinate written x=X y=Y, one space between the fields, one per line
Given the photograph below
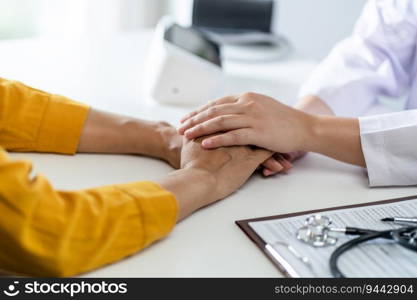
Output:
x=32 y=120
x=44 y=232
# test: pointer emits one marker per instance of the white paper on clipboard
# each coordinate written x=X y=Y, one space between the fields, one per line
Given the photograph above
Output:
x=378 y=258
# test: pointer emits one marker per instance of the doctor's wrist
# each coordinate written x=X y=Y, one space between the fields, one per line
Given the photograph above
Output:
x=321 y=131
x=336 y=137
x=314 y=105
x=309 y=130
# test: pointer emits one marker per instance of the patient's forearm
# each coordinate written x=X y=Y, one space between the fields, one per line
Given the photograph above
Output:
x=109 y=133
x=193 y=189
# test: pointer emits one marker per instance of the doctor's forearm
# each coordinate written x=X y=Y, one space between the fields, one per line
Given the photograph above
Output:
x=314 y=105
x=336 y=137
x=332 y=136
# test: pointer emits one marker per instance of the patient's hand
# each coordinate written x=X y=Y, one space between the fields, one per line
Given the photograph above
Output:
x=171 y=143
x=210 y=175
x=229 y=167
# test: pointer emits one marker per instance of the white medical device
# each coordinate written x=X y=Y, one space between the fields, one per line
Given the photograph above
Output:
x=183 y=67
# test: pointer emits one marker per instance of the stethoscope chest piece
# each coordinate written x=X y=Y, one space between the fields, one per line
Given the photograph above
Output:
x=316 y=231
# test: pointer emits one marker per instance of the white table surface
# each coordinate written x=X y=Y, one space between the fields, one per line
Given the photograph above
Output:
x=107 y=74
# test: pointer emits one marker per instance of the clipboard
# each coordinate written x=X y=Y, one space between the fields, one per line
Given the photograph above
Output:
x=260 y=243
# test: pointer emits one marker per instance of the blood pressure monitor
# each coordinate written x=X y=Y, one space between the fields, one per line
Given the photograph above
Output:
x=183 y=66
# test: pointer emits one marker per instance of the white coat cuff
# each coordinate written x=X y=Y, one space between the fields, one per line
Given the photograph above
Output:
x=372 y=141
x=388 y=144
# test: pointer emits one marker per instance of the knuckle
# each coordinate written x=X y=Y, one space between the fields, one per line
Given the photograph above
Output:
x=198 y=128
x=216 y=141
x=214 y=102
x=221 y=120
x=211 y=103
x=190 y=122
x=234 y=138
x=212 y=111
x=164 y=124
x=193 y=114
x=250 y=104
x=243 y=137
x=249 y=95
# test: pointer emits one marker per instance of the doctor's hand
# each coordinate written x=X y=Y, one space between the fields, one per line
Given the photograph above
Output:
x=208 y=175
x=253 y=119
x=249 y=119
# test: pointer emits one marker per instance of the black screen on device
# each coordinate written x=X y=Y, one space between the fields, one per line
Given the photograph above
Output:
x=233 y=15
x=193 y=41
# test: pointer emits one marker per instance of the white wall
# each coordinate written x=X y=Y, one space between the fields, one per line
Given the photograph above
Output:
x=313 y=26
x=28 y=18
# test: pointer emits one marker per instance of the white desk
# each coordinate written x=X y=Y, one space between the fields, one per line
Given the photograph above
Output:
x=107 y=75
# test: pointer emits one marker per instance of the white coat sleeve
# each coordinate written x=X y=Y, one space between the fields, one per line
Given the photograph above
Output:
x=376 y=60
x=389 y=144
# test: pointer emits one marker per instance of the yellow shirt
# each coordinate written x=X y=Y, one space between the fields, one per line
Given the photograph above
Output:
x=45 y=232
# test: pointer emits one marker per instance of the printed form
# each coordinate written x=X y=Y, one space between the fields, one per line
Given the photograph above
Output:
x=377 y=258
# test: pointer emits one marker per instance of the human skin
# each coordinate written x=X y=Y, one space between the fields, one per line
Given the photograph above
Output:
x=209 y=175
x=111 y=133
x=205 y=176
x=254 y=119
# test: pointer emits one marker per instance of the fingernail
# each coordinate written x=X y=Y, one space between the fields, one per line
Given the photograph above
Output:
x=207 y=143
x=183 y=128
x=267 y=172
x=278 y=166
x=188 y=133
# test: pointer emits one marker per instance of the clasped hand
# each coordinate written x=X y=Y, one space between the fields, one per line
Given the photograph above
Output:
x=251 y=119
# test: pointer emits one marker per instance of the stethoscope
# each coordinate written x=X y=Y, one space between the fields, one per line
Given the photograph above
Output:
x=317 y=232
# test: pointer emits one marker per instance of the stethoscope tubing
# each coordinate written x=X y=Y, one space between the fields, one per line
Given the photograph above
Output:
x=367 y=235
x=358 y=231
x=349 y=245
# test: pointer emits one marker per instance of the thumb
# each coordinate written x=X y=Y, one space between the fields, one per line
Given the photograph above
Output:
x=260 y=155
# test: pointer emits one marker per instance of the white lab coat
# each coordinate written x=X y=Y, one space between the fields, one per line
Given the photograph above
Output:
x=378 y=59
